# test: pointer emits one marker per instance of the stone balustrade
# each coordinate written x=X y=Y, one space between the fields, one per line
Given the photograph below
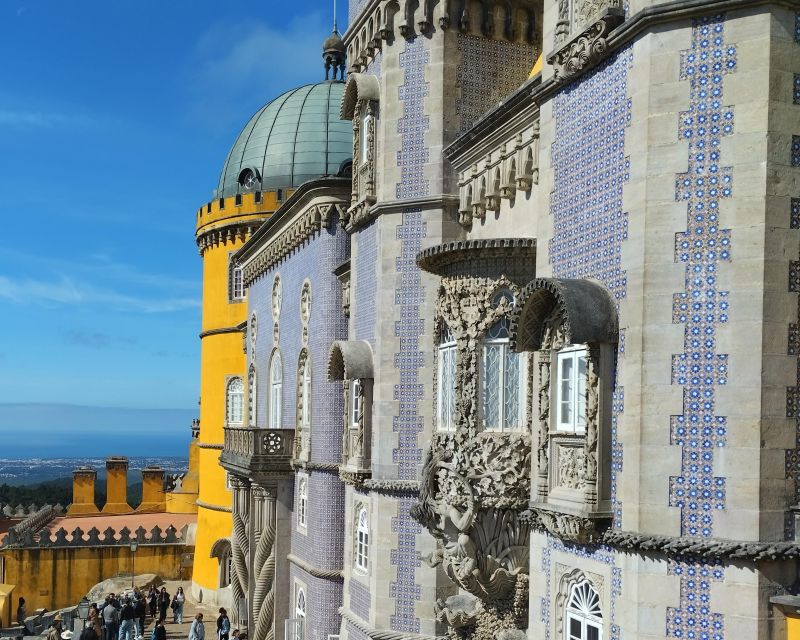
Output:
x=265 y=451
x=42 y=538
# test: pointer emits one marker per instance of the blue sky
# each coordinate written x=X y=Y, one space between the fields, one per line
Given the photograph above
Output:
x=115 y=120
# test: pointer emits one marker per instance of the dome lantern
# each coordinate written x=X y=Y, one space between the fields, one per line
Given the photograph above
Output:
x=334 y=53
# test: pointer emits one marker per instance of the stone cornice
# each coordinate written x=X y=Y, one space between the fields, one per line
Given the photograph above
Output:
x=391 y=486
x=330 y=467
x=436 y=259
x=712 y=548
x=312 y=207
x=325 y=574
x=236 y=230
x=209 y=445
x=213 y=507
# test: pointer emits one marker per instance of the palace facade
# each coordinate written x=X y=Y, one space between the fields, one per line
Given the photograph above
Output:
x=500 y=329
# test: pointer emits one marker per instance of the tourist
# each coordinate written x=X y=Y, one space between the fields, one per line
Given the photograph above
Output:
x=177 y=606
x=55 y=628
x=110 y=616
x=94 y=621
x=22 y=611
x=152 y=600
x=236 y=634
x=163 y=603
x=197 y=631
x=140 y=610
x=223 y=625
x=159 y=631
x=89 y=633
x=127 y=621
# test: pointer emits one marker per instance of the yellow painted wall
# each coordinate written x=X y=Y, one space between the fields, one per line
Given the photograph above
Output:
x=7 y=607
x=83 y=486
x=792 y=628
x=59 y=577
x=221 y=357
x=185 y=500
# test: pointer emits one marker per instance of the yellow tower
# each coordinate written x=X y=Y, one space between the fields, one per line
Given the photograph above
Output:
x=296 y=137
x=222 y=227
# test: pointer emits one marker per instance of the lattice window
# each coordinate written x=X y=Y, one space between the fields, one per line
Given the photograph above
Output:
x=355 y=403
x=275 y=391
x=302 y=501
x=300 y=615
x=502 y=379
x=571 y=389
x=446 y=381
x=234 y=401
x=235 y=282
x=362 y=540
x=584 y=618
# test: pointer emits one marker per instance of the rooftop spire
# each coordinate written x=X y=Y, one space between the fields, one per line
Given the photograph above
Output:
x=334 y=52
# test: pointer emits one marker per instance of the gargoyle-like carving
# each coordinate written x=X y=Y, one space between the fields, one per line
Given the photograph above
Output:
x=571 y=527
x=585 y=50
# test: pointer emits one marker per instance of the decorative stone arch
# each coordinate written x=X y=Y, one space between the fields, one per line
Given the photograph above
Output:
x=493 y=189
x=508 y=188
x=352 y=362
x=569 y=579
x=222 y=551
x=551 y=314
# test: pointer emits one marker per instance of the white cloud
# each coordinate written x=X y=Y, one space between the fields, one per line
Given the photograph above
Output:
x=65 y=291
x=38 y=119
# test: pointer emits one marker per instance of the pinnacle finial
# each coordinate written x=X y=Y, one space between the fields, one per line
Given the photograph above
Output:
x=334 y=52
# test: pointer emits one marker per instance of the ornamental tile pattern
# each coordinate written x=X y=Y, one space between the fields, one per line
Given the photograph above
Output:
x=355 y=7
x=694 y=619
x=359 y=599
x=409 y=393
x=590 y=169
x=797 y=28
x=794 y=212
x=412 y=127
x=598 y=553
x=365 y=285
x=702 y=308
x=489 y=71
x=796 y=89
x=322 y=609
x=796 y=151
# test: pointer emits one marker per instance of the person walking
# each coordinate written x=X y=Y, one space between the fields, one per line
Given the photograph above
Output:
x=127 y=624
x=93 y=621
x=140 y=610
x=22 y=611
x=197 y=631
x=163 y=603
x=223 y=625
x=159 y=631
x=111 y=619
x=177 y=606
x=152 y=600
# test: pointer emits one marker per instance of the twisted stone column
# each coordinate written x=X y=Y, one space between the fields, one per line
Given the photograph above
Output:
x=240 y=543
x=262 y=606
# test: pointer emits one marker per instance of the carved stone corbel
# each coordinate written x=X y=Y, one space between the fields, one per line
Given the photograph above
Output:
x=585 y=50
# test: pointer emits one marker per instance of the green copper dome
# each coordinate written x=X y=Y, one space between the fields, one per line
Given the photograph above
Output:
x=295 y=138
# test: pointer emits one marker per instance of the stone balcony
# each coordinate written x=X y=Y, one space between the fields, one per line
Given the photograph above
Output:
x=258 y=452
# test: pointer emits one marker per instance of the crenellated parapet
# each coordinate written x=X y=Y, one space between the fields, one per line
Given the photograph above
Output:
x=32 y=537
x=22 y=511
x=384 y=20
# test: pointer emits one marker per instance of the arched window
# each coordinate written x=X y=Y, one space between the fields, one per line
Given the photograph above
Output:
x=251 y=396
x=225 y=568
x=305 y=415
x=366 y=138
x=362 y=540
x=302 y=501
x=300 y=614
x=275 y=391
x=446 y=381
x=355 y=403
x=234 y=401
x=583 y=619
x=502 y=377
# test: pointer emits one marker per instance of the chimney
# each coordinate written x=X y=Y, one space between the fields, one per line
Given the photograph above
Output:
x=154 y=500
x=83 y=482
x=117 y=485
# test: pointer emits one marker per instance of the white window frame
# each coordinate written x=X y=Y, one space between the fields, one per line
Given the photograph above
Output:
x=366 y=121
x=305 y=413
x=446 y=394
x=230 y=405
x=356 y=404
x=302 y=501
x=577 y=403
x=237 y=282
x=504 y=344
x=300 y=606
x=225 y=569
x=361 y=550
x=276 y=391
x=583 y=615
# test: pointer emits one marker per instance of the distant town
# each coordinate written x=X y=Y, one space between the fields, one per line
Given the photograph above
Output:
x=27 y=471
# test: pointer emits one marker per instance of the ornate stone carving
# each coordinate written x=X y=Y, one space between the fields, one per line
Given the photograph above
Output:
x=364 y=155
x=571 y=527
x=571 y=467
x=585 y=50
